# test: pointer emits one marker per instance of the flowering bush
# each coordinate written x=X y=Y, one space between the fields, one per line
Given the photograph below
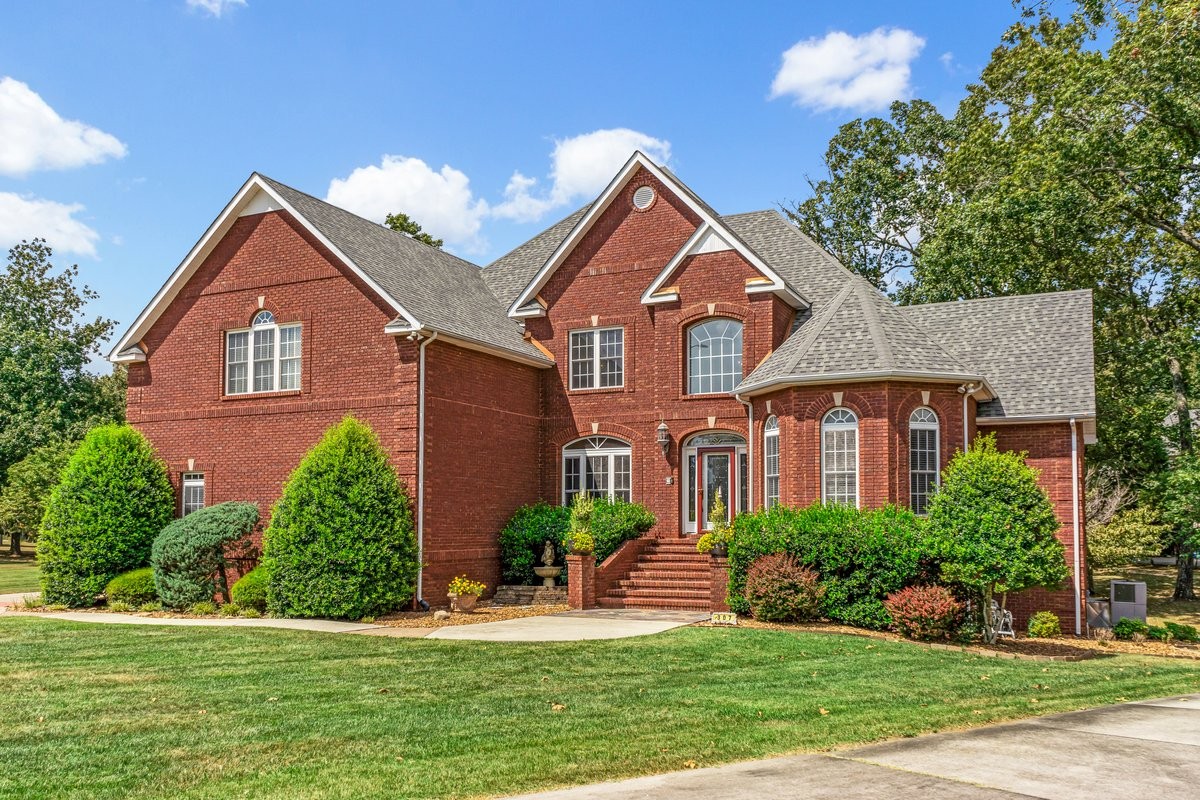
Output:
x=463 y=585
x=924 y=612
x=781 y=589
x=1044 y=625
x=721 y=533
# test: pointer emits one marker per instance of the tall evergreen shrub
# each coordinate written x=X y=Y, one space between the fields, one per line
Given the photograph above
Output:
x=189 y=555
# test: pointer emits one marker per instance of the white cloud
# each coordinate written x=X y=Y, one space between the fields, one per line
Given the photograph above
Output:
x=441 y=201
x=30 y=217
x=35 y=137
x=580 y=167
x=863 y=73
x=215 y=7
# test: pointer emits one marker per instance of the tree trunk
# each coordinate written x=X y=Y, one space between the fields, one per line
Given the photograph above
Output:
x=989 y=624
x=1182 y=407
x=14 y=545
x=1184 y=588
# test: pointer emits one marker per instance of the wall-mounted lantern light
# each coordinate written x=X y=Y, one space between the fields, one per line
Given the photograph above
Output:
x=663 y=437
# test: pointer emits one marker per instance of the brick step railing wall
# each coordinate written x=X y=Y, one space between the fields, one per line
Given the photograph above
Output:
x=650 y=573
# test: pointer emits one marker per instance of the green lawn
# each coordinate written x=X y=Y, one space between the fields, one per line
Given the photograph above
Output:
x=103 y=711
x=18 y=575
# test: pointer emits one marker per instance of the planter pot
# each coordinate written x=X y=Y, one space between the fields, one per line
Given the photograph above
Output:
x=719 y=550
x=464 y=603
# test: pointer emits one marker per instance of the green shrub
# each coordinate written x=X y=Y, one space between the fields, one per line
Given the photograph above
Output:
x=1131 y=534
x=204 y=608
x=861 y=556
x=1044 y=625
x=524 y=538
x=250 y=613
x=615 y=521
x=1159 y=633
x=781 y=589
x=1184 y=633
x=341 y=543
x=924 y=612
x=1127 y=628
x=150 y=607
x=102 y=517
x=132 y=588
x=120 y=607
x=189 y=555
x=229 y=610
x=250 y=591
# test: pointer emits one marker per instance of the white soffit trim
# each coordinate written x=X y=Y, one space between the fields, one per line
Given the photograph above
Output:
x=249 y=196
x=861 y=377
x=639 y=159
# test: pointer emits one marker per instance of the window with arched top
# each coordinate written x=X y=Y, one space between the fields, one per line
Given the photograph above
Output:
x=771 y=462
x=839 y=457
x=923 y=466
x=262 y=358
x=599 y=466
x=714 y=356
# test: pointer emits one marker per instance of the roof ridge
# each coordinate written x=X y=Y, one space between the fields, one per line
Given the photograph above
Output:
x=824 y=253
x=819 y=324
x=874 y=324
x=996 y=297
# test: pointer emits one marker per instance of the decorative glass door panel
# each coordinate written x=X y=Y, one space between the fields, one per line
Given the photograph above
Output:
x=717 y=469
x=712 y=462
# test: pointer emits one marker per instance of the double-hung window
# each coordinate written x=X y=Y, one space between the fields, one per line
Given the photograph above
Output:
x=598 y=358
x=192 y=498
x=839 y=457
x=599 y=466
x=263 y=358
x=922 y=458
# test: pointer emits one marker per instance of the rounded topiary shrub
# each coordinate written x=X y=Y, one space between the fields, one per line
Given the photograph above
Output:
x=924 y=612
x=524 y=538
x=189 y=555
x=132 y=588
x=341 y=542
x=250 y=591
x=1044 y=625
x=781 y=589
x=102 y=517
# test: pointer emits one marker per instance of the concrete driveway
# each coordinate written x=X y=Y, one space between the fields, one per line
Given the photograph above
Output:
x=1136 y=750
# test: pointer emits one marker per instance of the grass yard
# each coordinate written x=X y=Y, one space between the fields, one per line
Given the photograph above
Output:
x=113 y=711
x=1160 y=585
x=18 y=575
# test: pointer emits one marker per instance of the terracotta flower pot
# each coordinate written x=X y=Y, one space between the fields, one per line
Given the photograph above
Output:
x=464 y=603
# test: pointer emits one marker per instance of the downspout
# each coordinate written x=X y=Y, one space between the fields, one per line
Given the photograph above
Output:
x=1075 y=523
x=424 y=342
x=749 y=453
x=966 y=390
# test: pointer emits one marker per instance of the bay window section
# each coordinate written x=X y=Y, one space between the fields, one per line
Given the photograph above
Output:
x=264 y=358
x=922 y=458
x=599 y=466
x=839 y=457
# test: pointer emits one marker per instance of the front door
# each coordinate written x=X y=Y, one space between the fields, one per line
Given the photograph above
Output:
x=716 y=476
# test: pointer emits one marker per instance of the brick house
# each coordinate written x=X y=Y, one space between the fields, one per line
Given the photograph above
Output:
x=644 y=347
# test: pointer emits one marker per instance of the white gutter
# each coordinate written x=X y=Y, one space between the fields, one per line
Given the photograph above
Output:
x=749 y=453
x=865 y=377
x=1075 y=523
x=966 y=390
x=421 y=461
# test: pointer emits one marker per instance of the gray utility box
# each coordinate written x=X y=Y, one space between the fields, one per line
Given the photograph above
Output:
x=1098 y=612
x=1128 y=600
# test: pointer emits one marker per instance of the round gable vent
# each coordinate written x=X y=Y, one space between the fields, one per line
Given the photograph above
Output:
x=643 y=198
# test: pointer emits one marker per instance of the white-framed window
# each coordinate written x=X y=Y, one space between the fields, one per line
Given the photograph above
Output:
x=839 y=457
x=770 y=462
x=922 y=458
x=598 y=358
x=600 y=466
x=192 y=498
x=715 y=462
x=714 y=356
x=264 y=357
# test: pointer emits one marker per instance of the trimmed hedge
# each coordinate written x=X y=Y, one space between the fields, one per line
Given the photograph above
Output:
x=341 y=542
x=612 y=523
x=925 y=612
x=250 y=591
x=133 y=588
x=861 y=556
x=189 y=555
x=112 y=500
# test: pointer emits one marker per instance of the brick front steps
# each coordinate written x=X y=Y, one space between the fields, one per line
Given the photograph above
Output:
x=668 y=573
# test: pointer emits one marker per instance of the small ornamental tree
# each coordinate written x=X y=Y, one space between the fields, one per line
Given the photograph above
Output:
x=1132 y=533
x=1179 y=501
x=30 y=481
x=994 y=526
x=341 y=541
x=102 y=517
x=189 y=555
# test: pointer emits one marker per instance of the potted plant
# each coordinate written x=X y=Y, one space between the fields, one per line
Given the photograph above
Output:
x=579 y=530
x=464 y=593
x=715 y=540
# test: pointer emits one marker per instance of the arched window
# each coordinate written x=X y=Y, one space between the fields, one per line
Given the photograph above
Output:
x=839 y=457
x=714 y=356
x=598 y=466
x=263 y=358
x=771 y=462
x=922 y=458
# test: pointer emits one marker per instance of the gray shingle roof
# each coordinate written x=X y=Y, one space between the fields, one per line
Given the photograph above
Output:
x=798 y=259
x=442 y=291
x=1035 y=350
x=513 y=271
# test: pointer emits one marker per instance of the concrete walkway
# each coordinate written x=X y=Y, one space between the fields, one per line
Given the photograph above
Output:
x=16 y=599
x=1135 y=750
x=572 y=626
x=322 y=625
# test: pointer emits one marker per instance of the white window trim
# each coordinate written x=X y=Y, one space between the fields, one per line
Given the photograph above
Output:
x=588 y=452
x=738 y=374
x=936 y=427
x=191 y=480
x=595 y=332
x=825 y=425
x=772 y=432
x=276 y=348
x=734 y=502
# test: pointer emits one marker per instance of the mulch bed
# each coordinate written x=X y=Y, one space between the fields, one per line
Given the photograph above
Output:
x=424 y=619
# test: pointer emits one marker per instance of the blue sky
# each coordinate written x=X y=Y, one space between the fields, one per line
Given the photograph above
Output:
x=125 y=127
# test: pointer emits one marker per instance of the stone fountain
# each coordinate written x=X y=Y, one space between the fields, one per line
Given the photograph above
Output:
x=548 y=572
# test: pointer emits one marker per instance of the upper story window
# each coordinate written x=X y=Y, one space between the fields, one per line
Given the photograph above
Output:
x=839 y=457
x=771 y=462
x=598 y=358
x=263 y=358
x=714 y=356
x=922 y=458
x=599 y=466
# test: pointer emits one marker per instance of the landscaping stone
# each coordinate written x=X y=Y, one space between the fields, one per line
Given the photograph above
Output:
x=530 y=596
x=442 y=614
